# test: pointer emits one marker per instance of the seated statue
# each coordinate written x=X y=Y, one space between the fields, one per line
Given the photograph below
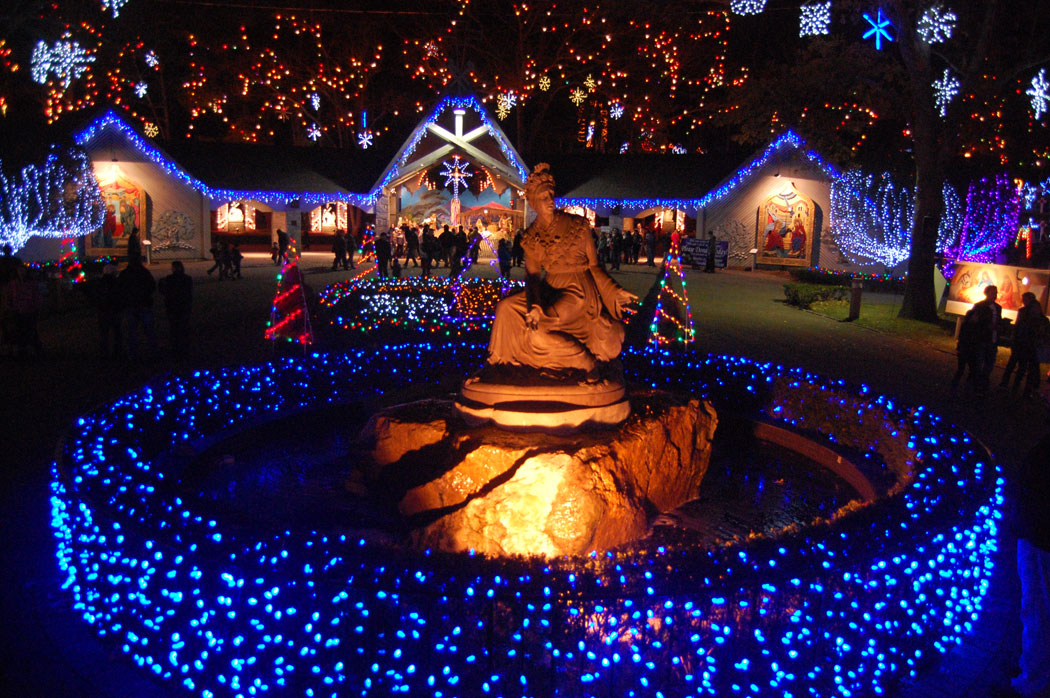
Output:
x=552 y=355
x=570 y=318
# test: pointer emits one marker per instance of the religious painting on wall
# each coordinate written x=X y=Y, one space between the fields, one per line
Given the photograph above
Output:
x=126 y=210
x=969 y=279
x=785 y=228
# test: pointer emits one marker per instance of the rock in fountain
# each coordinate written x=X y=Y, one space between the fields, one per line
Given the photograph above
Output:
x=505 y=493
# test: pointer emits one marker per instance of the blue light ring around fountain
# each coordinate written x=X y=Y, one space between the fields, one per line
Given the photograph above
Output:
x=811 y=574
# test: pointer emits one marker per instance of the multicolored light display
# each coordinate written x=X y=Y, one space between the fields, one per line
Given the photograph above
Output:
x=844 y=608
x=672 y=321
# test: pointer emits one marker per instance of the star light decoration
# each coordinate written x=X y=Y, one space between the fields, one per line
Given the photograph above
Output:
x=878 y=29
x=577 y=96
x=151 y=59
x=944 y=90
x=114 y=6
x=140 y=89
x=456 y=173
x=936 y=25
x=544 y=83
x=1039 y=95
x=313 y=132
x=747 y=7
x=814 y=19
x=616 y=109
x=431 y=49
x=66 y=60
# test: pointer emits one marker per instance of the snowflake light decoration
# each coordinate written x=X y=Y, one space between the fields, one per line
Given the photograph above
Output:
x=140 y=89
x=678 y=149
x=878 y=29
x=455 y=173
x=943 y=91
x=313 y=132
x=114 y=6
x=315 y=101
x=150 y=129
x=590 y=83
x=502 y=110
x=815 y=19
x=1039 y=95
x=936 y=25
x=364 y=139
x=544 y=83
x=510 y=98
x=577 y=96
x=616 y=109
x=747 y=7
x=625 y=147
x=67 y=60
x=151 y=59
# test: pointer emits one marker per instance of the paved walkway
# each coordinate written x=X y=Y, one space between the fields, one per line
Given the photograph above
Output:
x=49 y=652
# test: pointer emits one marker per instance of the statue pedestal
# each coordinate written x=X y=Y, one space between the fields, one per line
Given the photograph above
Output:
x=523 y=399
x=499 y=492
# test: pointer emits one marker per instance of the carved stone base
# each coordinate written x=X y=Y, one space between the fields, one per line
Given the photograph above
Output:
x=505 y=493
x=523 y=399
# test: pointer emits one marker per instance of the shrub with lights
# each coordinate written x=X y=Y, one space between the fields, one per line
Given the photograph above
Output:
x=450 y=307
x=839 y=608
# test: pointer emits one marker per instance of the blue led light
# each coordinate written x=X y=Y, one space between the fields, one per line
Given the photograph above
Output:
x=849 y=608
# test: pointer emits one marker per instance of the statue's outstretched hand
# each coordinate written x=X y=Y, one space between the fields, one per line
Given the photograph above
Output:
x=624 y=300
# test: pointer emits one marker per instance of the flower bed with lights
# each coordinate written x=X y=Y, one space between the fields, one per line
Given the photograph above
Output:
x=440 y=305
x=842 y=607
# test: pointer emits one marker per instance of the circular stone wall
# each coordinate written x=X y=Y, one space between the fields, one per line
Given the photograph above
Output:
x=843 y=607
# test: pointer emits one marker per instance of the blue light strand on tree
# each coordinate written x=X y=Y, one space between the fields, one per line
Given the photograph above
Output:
x=59 y=198
x=990 y=222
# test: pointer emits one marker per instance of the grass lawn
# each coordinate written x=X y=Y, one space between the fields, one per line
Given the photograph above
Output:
x=879 y=312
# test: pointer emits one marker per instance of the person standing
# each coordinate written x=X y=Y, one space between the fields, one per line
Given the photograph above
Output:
x=503 y=254
x=134 y=246
x=712 y=249
x=235 y=261
x=1031 y=494
x=616 y=249
x=1031 y=328
x=636 y=240
x=177 y=290
x=447 y=241
x=136 y=289
x=427 y=250
x=339 y=250
x=650 y=246
x=105 y=293
x=411 y=245
x=991 y=316
x=383 y=255
x=216 y=255
x=516 y=250
x=282 y=246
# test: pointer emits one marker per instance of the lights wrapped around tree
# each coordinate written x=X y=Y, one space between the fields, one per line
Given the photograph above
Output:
x=990 y=222
x=213 y=606
x=289 y=312
x=58 y=199
x=872 y=218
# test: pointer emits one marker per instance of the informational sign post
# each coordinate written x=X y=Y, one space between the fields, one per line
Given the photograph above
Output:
x=694 y=252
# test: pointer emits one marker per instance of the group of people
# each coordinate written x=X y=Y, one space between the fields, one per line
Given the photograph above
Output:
x=978 y=343
x=227 y=259
x=455 y=249
x=616 y=247
x=124 y=307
